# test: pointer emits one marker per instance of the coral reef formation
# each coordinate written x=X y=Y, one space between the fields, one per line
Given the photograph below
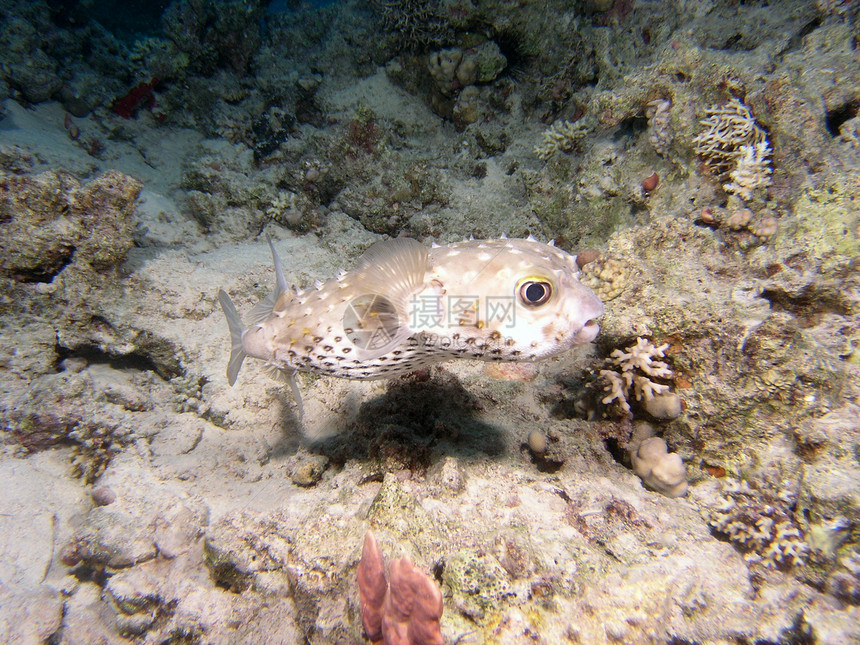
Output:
x=752 y=170
x=416 y=23
x=563 y=136
x=700 y=159
x=51 y=220
x=606 y=275
x=661 y=470
x=758 y=518
x=213 y=34
x=659 y=113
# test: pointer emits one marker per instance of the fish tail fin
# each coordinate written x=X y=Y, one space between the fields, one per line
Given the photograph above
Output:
x=237 y=328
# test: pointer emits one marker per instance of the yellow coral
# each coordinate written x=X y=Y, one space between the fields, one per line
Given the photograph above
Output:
x=607 y=276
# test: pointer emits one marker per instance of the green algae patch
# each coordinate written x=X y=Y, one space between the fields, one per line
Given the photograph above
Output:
x=827 y=222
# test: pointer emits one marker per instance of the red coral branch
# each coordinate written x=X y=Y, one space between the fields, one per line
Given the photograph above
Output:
x=141 y=94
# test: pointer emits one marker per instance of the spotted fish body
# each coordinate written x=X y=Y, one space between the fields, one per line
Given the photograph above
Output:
x=405 y=306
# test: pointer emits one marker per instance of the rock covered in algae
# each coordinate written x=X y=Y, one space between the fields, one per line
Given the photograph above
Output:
x=51 y=220
x=477 y=581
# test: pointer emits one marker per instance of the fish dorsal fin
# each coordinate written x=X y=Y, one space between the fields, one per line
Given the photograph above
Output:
x=263 y=309
x=386 y=277
x=280 y=280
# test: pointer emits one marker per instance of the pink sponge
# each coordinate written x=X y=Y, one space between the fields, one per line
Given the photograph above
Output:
x=403 y=611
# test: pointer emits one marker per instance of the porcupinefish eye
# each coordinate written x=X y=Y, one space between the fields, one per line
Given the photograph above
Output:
x=533 y=292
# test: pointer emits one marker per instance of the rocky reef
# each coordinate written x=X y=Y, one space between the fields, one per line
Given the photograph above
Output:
x=689 y=477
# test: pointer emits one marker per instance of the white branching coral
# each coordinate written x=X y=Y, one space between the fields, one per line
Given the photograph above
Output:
x=284 y=207
x=564 y=136
x=641 y=356
x=293 y=210
x=735 y=147
x=757 y=518
x=753 y=170
x=658 y=112
x=283 y=201
x=416 y=22
x=638 y=367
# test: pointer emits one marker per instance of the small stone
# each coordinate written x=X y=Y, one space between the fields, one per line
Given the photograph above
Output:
x=69 y=555
x=740 y=219
x=586 y=256
x=102 y=496
x=309 y=471
x=74 y=364
x=766 y=227
x=537 y=442
x=651 y=182
x=664 y=406
x=467 y=72
x=468 y=107
x=451 y=475
x=309 y=83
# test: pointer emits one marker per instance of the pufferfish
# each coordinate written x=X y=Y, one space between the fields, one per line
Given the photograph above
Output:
x=405 y=306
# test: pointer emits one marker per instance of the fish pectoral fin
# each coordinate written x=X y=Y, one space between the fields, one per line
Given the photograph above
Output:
x=385 y=281
x=288 y=375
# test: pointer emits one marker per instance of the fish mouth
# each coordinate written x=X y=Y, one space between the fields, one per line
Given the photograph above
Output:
x=587 y=334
